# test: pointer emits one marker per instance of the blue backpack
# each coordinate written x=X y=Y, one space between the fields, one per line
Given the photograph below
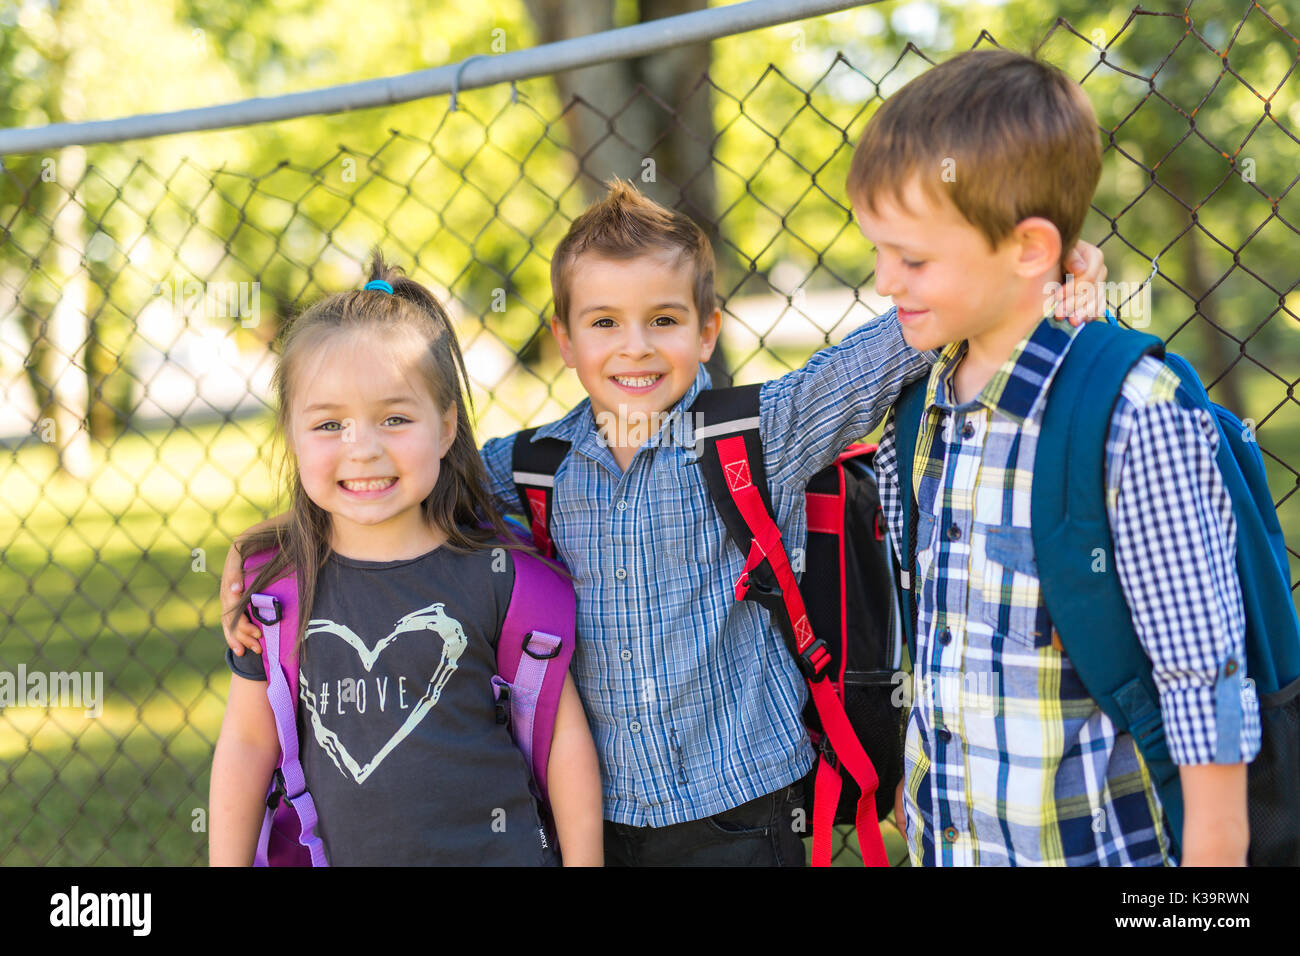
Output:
x=1069 y=524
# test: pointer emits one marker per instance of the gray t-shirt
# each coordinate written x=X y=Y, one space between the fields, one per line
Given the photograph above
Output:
x=397 y=722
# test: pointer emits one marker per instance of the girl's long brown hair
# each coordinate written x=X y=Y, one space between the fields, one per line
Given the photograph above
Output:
x=459 y=504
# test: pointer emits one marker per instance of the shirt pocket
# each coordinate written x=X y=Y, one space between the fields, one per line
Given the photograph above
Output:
x=1011 y=598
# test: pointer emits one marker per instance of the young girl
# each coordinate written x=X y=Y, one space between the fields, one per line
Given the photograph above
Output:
x=397 y=550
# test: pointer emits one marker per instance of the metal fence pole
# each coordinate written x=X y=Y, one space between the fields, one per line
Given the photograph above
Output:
x=639 y=40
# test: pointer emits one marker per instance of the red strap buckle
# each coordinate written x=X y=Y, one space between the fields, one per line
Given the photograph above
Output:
x=755 y=557
x=813 y=660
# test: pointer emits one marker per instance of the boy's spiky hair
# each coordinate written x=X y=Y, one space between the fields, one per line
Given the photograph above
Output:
x=1004 y=136
x=626 y=224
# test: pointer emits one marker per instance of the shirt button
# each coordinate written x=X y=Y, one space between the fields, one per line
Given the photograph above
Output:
x=945 y=734
x=635 y=726
x=625 y=655
x=950 y=834
x=620 y=574
x=946 y=636
x=954 y=532
x=622 y=506
x=968 y=430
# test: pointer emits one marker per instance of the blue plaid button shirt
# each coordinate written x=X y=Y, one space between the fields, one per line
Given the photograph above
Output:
x=692 y=697
x=1007 y=758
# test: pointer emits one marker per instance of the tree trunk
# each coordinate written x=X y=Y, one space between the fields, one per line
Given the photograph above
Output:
x=68 y=328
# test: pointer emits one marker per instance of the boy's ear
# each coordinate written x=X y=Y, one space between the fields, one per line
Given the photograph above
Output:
x=1039 y=244
x=561 y=333
x=709 y=332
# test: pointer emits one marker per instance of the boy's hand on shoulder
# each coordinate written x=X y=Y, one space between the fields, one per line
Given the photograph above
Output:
x=238 y=630
x=1080 y=301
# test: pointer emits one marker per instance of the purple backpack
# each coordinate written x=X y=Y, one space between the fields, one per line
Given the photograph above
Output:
x=531 y=666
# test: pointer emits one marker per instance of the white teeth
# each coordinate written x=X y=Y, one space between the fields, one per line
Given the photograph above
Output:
x=370 y=484
x=637 y=381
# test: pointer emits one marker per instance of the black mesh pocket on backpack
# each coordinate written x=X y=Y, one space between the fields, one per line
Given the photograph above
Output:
x=1274 y=782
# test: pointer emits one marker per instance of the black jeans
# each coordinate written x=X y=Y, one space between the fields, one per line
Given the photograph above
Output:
x=768 y=831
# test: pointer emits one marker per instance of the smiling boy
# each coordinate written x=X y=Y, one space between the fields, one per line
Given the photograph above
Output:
x=636 y=336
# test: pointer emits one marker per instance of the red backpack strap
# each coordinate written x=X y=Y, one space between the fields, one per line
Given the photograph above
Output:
x=288 y=836
x=533 y=654
x=731 y=458
x=534 y=464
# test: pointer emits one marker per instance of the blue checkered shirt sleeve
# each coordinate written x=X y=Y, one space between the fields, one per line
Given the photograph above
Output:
x=1174 y=532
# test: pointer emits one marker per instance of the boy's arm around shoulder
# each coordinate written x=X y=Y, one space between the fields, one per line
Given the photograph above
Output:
x=809 y=415
x=573 y=775
x=498 y=461
x=1175 y=553
x=239 y=631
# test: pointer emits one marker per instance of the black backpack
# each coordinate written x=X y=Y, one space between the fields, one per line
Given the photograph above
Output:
x=853 y=639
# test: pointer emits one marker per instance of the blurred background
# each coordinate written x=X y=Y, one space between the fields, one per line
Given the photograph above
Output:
x=142 y=283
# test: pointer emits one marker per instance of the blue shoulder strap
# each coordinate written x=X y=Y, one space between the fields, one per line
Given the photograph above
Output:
x=907 y=426
x=1075 y=552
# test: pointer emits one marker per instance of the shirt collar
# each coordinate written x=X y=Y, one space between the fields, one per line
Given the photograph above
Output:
x=580 y=421
x=1017 y=388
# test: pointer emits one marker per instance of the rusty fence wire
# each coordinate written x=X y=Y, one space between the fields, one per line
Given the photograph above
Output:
x=140 y=293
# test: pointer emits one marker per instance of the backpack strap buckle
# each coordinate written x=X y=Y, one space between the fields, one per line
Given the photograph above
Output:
x=278 y=790
x=259 y=603
x=501 y=694
x=545 y=642
x=813 y=659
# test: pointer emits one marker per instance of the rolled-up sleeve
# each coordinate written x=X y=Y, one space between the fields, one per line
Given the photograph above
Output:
x=1175 y=552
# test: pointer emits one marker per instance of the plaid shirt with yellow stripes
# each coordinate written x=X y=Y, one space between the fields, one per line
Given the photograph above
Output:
x=1008 y=760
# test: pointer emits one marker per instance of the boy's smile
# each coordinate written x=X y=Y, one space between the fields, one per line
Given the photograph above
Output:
x=635 y=339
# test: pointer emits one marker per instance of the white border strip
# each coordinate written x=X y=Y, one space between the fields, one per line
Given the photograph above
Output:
x=532 y=478
x=721 y=428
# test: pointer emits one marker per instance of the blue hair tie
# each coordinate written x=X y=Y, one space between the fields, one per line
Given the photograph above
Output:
x=379 y=285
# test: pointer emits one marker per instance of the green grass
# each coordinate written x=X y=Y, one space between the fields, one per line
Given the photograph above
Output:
x=121 y=576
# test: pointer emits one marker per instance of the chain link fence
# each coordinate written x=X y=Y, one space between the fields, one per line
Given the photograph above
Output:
x=140 y=292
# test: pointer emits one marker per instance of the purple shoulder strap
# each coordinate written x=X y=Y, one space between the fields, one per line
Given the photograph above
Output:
x=288 y=836
x=533 y=654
